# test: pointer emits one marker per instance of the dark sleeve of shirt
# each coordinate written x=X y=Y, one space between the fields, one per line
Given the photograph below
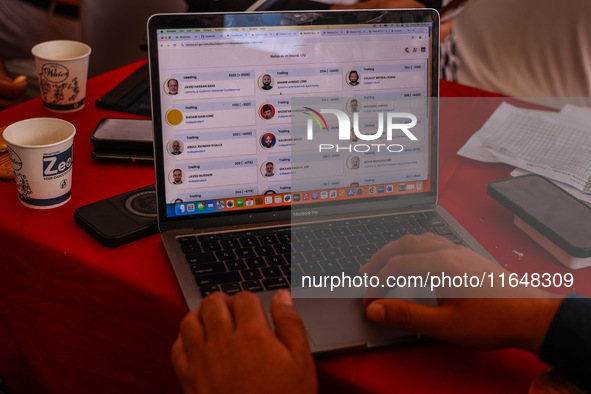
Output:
x=431 y=3
x=241 y=5
x=567 y=345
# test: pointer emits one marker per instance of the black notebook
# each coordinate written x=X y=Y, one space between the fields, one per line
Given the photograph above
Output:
x=131 y=96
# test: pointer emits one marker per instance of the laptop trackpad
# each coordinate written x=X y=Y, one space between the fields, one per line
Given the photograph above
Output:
x=336 y=323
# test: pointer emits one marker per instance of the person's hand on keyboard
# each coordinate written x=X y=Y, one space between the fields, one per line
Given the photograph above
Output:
x=228 y=346
x=483 y=317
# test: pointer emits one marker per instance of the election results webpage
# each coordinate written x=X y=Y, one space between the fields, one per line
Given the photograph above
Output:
x=247 y=119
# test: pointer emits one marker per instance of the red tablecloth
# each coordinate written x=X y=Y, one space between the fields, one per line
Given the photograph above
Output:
x=76 y=317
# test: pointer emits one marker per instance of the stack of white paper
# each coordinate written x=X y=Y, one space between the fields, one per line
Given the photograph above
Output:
x=556 y=145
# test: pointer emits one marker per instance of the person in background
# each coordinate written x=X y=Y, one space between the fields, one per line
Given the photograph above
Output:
x=176 y=148
x=449 y=62
x=269 y=169
x=512 y=62
x=354 y=105
x=266 y=82
x=353 y=78
x=23 y=24
x=268 y=140
x=267 y=111
x=173 y=86
x=177 y=176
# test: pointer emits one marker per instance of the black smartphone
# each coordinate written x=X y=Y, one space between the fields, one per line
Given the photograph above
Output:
x=123 y=139
x=120 y=219
x=548 y=214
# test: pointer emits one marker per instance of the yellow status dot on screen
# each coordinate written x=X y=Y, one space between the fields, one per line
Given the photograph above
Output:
x=174 y=117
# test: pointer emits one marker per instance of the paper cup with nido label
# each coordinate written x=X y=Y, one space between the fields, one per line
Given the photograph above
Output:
x=62 y=67
x=41 y=156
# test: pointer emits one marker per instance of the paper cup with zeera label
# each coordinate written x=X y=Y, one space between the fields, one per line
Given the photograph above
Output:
x=62 y=67
x=41 y=156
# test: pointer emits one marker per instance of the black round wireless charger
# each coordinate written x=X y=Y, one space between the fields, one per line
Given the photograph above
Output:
x=142 y=203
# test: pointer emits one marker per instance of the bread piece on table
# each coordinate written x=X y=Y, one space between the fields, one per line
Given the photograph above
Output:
x=3 y=147
x=5 y=166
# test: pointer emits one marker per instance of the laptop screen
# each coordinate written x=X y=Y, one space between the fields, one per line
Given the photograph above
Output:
x=265 y=111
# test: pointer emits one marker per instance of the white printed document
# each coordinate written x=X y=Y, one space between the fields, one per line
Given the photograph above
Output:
x=551 y=144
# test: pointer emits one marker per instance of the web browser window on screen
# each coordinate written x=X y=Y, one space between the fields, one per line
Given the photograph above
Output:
x=258 y=117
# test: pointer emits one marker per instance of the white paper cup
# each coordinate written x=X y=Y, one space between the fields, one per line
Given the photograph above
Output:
x=41 y=157
x=62 y=67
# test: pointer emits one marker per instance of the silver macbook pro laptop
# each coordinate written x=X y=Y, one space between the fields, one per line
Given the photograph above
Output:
x=290 y=146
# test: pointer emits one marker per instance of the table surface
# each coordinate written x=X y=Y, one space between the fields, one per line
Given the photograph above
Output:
x=77 y=317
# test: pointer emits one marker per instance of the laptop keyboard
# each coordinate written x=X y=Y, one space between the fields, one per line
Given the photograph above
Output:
x=259 y=260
